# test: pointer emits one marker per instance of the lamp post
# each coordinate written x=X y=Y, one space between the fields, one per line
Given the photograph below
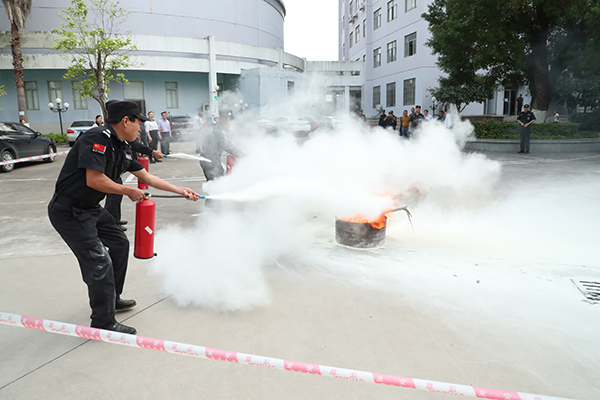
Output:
x=59 y=108
x=434 y=104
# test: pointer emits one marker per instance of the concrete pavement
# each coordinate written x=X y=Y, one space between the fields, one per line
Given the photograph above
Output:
x=315 y=317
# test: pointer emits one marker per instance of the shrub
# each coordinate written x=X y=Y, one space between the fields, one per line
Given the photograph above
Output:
x=587 y=121
x=57 y=137
x=492 y=129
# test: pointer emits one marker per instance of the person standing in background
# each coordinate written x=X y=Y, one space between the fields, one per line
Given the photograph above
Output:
x=164 y=128
x=525 y=119
x=153 y=134
x=99 y=121
x=404 y=120
x=556 y=117
x=519 y=104
x=199 y=123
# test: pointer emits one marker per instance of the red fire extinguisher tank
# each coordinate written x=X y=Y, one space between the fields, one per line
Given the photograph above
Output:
x=145 y=213
x=145 y=162
x=231 y=160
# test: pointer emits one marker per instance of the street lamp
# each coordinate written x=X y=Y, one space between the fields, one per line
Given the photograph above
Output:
x=434 y=105
x=59 y=108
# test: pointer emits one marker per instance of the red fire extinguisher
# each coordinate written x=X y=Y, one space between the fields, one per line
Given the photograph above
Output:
x=145 y=213
x=145 y=162
x=231 y=160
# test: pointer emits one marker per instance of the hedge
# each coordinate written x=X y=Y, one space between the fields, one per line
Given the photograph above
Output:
x=587 y=121
x=57 y=137
x=492 y=129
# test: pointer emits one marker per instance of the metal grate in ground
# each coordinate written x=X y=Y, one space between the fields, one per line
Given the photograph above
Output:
x=590 y=289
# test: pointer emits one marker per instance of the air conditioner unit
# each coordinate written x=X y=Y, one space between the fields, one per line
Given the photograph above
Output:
x=362 y=6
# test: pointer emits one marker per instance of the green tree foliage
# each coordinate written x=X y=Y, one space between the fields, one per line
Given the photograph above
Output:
x=461 y=94
x=89 y=36
x=510 y=41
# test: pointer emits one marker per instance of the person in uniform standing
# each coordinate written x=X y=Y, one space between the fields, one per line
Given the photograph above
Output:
x=525 y=119
x=519 y=103
x=215 y=143
x=164 y=127
x=415 y=120
x=89 y=172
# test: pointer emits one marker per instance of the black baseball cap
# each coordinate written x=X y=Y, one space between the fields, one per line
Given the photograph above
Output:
x=118 y=109
x=226 y=114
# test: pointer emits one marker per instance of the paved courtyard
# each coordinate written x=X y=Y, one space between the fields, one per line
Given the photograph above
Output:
x=483 y=299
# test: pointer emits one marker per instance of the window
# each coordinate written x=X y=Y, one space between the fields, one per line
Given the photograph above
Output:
x=31 y=96
x=290 y=88
x=391 y=51
x=409 y=92
x=351 y=39
x=80 y=103
x=377 y=57
x=364 y=57
x=390 y=98
x=357 y=33
x=351 y=8
x=134 y=91
x=392 y=10
x=376 y=96
x=172 y=98
x=377 y=19
x=410 y=44
x=364 y=27
x=55 y=90
x=410 y=4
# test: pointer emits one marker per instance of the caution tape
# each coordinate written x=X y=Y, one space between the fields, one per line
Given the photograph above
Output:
x=33 y=158
x=260 y=361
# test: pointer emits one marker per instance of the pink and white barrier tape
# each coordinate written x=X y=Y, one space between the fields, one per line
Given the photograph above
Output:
x=33 y=158
x=260 y=361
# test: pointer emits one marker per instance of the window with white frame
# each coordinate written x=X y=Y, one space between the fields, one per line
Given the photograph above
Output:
x=392 y=10
x=410 y=44
x=172 y=95
x=79 y=102
x=376 y=96
x=351 y=8
x=409 y=92
x=391 y=51
x=31 y=95
x=55 y=91
x=364 y=27
x=357 y=33
x=351 y=39
x=410 y=4
x=377 y=19
x=377 y=57
x=390 y=98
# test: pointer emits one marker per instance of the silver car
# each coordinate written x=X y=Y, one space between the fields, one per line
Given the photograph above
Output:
x=76 y=128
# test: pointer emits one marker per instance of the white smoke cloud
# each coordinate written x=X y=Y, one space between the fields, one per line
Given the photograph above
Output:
x=284 y=195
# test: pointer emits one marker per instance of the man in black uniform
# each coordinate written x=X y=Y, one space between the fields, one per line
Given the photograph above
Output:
x=382 y=119
x=91 y=168
x=215 y=143
x=525 y=119
x=415 y=120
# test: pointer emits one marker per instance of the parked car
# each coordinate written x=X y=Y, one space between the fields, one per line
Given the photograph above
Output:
x=265 y=125
x=182 y=128
x=331 y=122
x=76 y=128
x=298 y=126
x=18 y=141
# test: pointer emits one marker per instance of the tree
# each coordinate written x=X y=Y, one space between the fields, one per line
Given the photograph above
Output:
x=96 y=49
x=17 y=11
x=510 y=41
x=475 y=90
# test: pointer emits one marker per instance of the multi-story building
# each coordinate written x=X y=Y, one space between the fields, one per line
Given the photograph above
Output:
x=389 y=36
x=189 y=53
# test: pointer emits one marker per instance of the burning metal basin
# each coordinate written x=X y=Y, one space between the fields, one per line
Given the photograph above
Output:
x=361 y=234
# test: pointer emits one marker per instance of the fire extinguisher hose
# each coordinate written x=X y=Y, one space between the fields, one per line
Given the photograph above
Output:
x=172 y=196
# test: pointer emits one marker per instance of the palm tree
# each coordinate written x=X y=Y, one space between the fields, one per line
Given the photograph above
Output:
x=17 y=11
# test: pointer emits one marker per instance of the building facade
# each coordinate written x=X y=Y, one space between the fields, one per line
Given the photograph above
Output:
x=390 y=36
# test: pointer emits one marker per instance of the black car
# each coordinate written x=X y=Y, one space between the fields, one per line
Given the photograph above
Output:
x=182 y=128
x=18 y=141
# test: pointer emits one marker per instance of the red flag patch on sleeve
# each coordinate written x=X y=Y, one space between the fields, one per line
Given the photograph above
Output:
x=98 y=148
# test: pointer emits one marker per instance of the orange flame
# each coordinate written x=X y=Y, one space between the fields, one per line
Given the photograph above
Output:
x=378 y=223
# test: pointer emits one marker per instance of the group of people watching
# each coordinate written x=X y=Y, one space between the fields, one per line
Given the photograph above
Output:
x=410 y=122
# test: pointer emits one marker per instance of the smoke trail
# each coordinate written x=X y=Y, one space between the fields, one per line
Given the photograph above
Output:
x=281 y=186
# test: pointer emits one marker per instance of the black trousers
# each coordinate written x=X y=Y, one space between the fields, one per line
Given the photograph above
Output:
x=113 y=203
x=102 y=250
x=525 y=138
x=212 y=170
x=154 y=143
x=165 y=143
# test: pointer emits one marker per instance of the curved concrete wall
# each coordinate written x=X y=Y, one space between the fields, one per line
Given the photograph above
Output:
x=253 y=22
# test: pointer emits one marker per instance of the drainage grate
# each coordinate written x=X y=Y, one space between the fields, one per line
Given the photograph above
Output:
x=590 y=289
